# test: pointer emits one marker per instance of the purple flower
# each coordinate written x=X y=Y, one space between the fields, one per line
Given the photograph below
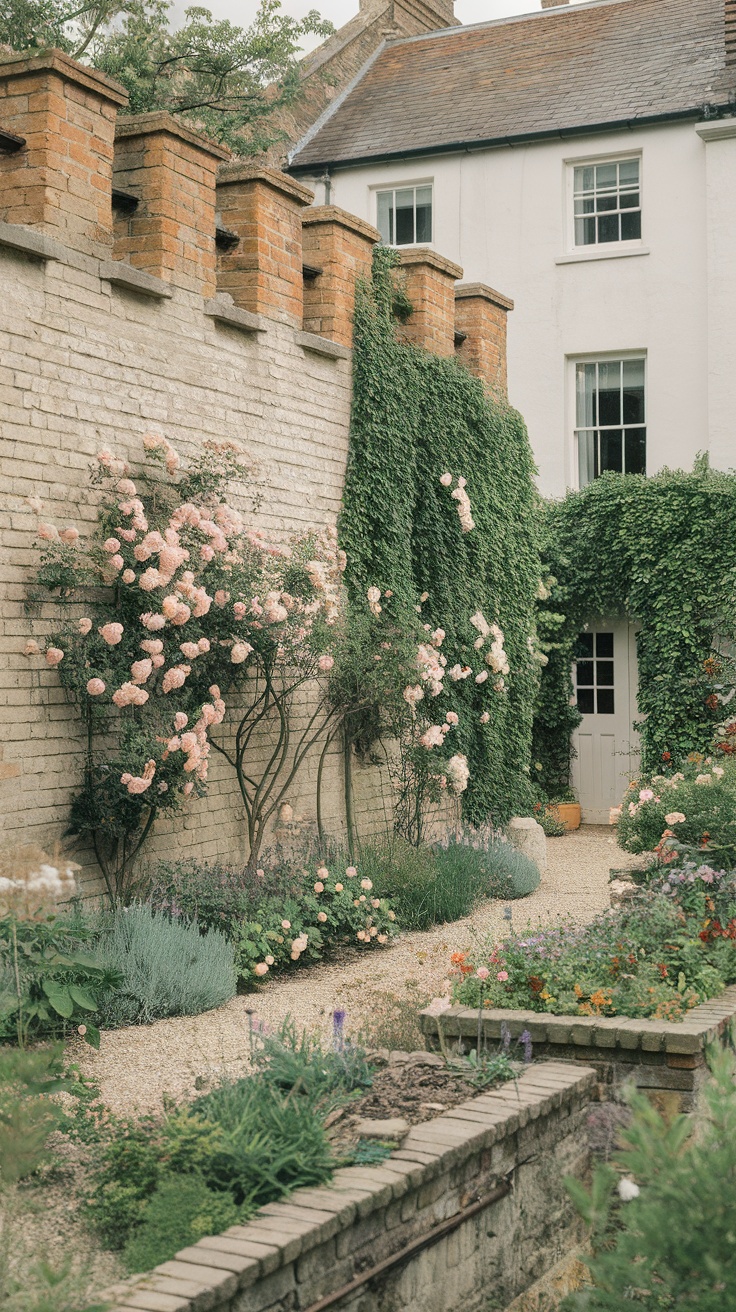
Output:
x=338 y=1024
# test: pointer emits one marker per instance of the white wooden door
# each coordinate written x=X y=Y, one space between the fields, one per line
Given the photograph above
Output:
x=606 y=744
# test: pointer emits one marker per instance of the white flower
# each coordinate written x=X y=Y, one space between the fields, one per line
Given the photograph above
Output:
x=704 y=779
x=675 y=818
x=627 y=1190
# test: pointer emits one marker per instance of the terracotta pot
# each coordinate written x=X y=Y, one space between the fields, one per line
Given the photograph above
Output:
x=568 y=813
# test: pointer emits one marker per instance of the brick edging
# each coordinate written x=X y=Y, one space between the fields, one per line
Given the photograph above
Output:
x=702 y=1025
x=207 y=1275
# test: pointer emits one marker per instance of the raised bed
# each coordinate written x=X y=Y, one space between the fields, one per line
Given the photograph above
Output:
x=468 y=1214
x=665 y=1059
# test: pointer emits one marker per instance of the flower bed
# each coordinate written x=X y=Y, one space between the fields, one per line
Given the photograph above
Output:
x=694 y=808
x=669 y=949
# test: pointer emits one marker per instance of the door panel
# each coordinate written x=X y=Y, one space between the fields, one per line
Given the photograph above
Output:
x=605 y=679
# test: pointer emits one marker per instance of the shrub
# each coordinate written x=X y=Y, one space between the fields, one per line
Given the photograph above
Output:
x=434 y=885
x=27 y=1113
x=697 y=807
x=179 y=1212
x=289 y=1060
x=167 y=967
x=665 y=951
x=667 y=1240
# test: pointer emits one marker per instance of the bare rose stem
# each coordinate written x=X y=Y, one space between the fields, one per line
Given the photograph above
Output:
x=480 y=1024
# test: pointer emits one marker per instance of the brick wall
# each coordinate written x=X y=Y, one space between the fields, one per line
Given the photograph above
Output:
x=165 y=336
x=466 y=1216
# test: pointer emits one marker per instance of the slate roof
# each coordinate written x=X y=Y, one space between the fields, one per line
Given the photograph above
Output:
x=553 y=71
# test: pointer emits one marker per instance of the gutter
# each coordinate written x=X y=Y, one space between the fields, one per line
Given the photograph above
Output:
x=699 y=112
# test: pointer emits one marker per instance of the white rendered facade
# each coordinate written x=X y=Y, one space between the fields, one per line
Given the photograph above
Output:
x=506 y=216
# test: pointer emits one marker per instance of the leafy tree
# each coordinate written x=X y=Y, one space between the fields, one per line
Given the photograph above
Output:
x=227 y=81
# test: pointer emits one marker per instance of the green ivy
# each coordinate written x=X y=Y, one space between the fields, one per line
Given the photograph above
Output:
x=414 y=417
x=662 y=552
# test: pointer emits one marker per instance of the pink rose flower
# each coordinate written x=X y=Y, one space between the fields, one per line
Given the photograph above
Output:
x=112 y=633
x=646 y=795
x=483 y=972
x=84 y=625
x=70 y=536
x=240 y=610
x=141 y=670
x=126 y=487
x=47 y=532
x=502 y=976
x=445 y=479
x=117 y=562
x=54 y=656
x=240 y=652
x=221 y=597
x=326 y=663
x=319 y=887
x=95 y=687
x=188 y=788
x=351 y=872
x=321 y=916
x=180 y=720
x=153 y=622
x=112 y=545
x=175 y=677
x=207 y=553
x=261 y=968
x=128 y=576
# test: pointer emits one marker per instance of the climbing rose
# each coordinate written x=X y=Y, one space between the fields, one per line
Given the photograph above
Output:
x=95 y=687
x=446 y=479
x=326 y=663
x=261 y=968
x=112 y=633
x=54 y=656
x=240 y=652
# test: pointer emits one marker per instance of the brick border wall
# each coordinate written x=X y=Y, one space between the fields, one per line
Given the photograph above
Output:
x=517 y=1141
x=665 y=1059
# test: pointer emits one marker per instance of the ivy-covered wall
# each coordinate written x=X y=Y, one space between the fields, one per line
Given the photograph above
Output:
x=416 y=416
x=661 y=551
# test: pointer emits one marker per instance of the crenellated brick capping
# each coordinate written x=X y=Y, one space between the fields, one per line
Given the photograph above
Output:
x=471 y=1208
x=667 y=1059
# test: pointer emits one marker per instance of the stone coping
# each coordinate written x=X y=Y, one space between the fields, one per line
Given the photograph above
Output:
x=159 y=120
x=480 y=291
x=701 y=1026
x=223 y=310
x=317 y=214
x=210 y=1273
x=22 y=64
x=322 y=346
x=122 y=274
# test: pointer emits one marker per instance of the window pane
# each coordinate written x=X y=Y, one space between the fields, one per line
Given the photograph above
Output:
x=585 y=701
x=424 y=214
x=631 y=226
x=608 y=228
x=586 y=458
x=606 y=202
x=636 y=451
x=605 y=701
x=386 y=217
x=585 y=388
x=628 y=171
x=604 y=644
x=583 y=645
x=629 y=200
x=585 y=674
x=604 y=674
x=405 y=216
x=609 y=392
x=605 y=175
x=612 y=450
x=633 y=389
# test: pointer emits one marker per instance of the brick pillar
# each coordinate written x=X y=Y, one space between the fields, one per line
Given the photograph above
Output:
x=60 y=181
x=429 y=280
x=263 y=273
x=481 y=316
x=171 y=170
x=340 y=246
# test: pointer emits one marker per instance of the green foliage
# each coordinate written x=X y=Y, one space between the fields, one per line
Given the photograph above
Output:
x=166 y=967
x=179 y=1213
x=415 y=417
x=28 y=1113
x=51 y=980
x=673 y=1244
x=666 y=950
x=435 y=885
x=708 y=809
x=285 y=915
x=224 y=80
x=660 y=550
x=297 y=1061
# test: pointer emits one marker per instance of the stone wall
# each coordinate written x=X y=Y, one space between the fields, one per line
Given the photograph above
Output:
x=466 y=1216
x=666 y=1060
x=148 y=284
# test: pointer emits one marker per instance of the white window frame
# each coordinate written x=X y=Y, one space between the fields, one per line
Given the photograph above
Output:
x=598 y=357
x=602 y=250
x=400 y=186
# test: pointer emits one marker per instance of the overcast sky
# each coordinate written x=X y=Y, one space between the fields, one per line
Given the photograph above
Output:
x=339 y=11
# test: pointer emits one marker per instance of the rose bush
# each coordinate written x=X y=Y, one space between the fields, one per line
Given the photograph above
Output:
x=694 y=808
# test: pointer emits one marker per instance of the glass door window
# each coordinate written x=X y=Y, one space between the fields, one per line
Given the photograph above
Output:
x=594 y=673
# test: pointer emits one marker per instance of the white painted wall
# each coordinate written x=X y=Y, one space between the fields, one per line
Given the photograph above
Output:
x=502 y=215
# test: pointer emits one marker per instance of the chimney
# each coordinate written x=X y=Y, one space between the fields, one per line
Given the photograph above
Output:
x=59 y=179
x=263 y=272
x=429 y=281
x=480 y=323
x=337 y=250
x=171 y=171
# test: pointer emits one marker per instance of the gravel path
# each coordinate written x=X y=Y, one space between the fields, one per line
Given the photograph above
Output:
x=136 y=1067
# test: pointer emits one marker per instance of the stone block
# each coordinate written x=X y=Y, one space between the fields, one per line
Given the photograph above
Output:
x=527 y=836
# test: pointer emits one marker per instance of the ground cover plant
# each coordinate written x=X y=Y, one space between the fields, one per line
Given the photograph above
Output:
x=282 y=914
x=663 y=1215
x=668 y=949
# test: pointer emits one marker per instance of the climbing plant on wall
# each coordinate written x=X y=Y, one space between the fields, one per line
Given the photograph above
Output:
x=418 y=419
x=661 y=551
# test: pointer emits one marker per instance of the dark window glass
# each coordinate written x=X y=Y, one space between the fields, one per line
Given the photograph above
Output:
x=424 y=214
x=404 y=226
x=585 y=701
x=604 y=673
x=636 y=451
x=605 y=701
x=611 y=450
x=604 y=644
x=608 y=228
x=631 y=226
x=585 y=674
x=584 y=646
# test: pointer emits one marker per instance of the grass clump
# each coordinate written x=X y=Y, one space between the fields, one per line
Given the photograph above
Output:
x=167 y=967
x=434 y=885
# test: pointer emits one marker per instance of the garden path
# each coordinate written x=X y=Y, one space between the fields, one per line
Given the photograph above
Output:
x=380 y=990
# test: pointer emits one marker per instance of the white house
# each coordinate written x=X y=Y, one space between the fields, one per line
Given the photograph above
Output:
x=581 y=160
